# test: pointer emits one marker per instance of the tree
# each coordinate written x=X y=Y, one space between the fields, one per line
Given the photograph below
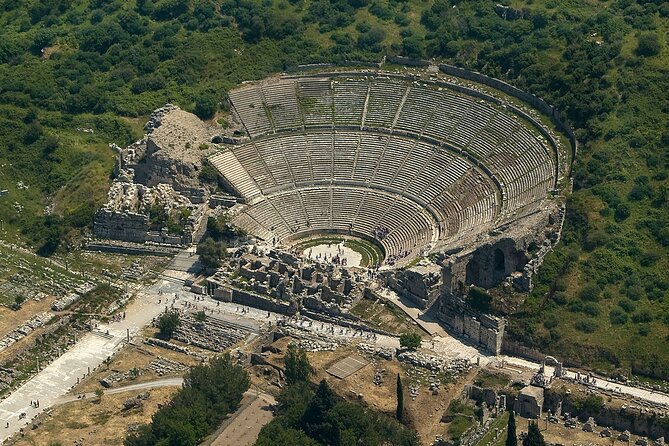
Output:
x=219 y=228
x=649 y=45
x=412 y=46
x=209 y=393
x=32 y=133
x=479 y=299
x=534 y=437
x=316 y=422
x=274 y=434
x=399 y=413
x=99 y=392
x=18 y=301
x=205 y=106
x=410 y=340
x=168 y=323
x=212 y=252
x=623 y=211
x=297 y=365
x=511 y=437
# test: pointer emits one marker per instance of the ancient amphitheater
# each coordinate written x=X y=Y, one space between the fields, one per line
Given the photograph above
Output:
x=415 y=166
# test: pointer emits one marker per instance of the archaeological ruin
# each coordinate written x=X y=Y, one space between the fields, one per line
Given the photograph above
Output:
x=453 y=183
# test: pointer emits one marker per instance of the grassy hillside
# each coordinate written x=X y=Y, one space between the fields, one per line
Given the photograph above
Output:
x=70 y=66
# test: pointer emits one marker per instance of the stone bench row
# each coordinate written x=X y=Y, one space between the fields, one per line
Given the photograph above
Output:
x=301 y=210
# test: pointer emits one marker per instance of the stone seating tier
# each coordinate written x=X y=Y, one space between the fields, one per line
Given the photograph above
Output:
x=356 y=153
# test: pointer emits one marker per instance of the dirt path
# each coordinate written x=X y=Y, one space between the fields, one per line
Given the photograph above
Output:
x=167 y=382
x=243 y=427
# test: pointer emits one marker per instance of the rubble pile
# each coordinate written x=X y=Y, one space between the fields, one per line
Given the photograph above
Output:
x=136 y=402
x=422 y=360
x=167 y=345
x=119 y=303
x=156 y=118
x=475 y=433
x=70 y=298
x=113 y=378
x=370 y=349
x=379 y=375
x=135 y=271
x=65 y=301
x=26 y=283
x=413 y=391
x=210 y=334
x=457 y=367
x=434 y=384
x=163 y=366
x=7 y=377
x=35 y=322
x=310 y=341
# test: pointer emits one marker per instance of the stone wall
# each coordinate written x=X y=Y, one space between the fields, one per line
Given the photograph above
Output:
x=482 y=330
x=421 y=284
x=120 y=226
x=264 y=303
x=130 y=248
x=407 y=61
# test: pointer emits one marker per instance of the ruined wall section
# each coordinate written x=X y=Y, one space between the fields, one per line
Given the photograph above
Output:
x=131 y=227
x=513 y=253
x=160 y=169
x=126 y=214
x=421 y=284
x=280 y=281
x=483 y=330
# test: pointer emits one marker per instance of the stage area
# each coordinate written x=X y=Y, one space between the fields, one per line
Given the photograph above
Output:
x=335 y=253
x=346 y=252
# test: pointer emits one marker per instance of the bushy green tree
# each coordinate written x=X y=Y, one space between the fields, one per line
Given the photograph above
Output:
x=479 y=299
x=305 y=418
x=410 y=340
x=209 y=393
x=648 y=45
x=212 y=252
x=205 y=106
x=315 y=420
x=168 y=322
x=297 y=367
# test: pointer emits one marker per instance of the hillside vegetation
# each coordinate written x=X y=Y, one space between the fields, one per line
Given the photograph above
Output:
x=71 y=67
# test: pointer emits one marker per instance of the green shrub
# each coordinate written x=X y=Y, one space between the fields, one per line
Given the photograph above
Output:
x=590 y=292
x=642 y=316
x=648 y=45
x=618 y=316
x=586 y=326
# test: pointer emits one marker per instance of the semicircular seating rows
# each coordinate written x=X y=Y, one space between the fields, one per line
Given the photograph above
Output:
x=411 y=164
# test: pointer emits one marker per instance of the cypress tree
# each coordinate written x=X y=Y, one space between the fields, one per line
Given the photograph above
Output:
x=400 y=399
x=511 y=438
x=534 y=436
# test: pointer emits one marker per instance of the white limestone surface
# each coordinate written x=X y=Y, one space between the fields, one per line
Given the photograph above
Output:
x=327 y=252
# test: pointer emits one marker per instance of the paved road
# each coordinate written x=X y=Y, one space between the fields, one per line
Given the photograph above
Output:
x=599 y=383
x=55 y=380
